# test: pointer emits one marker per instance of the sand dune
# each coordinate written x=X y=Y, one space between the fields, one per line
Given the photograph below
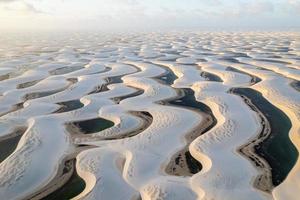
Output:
x=151 y=116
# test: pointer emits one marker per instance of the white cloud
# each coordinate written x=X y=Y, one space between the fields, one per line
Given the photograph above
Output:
x=22 y=7
x=7 y=0
x=294 y=6
x=136 y=14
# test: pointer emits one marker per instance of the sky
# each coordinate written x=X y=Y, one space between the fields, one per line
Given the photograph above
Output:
x=148 y=14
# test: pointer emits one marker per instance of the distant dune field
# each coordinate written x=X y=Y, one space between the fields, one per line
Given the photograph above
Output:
x=152 y=116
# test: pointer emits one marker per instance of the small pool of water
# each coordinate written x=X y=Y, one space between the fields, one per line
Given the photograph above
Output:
x=70 y=105
x=73 y=187
x=277 y=149
x=7 y=146
x=93 y=125
x=211 y=77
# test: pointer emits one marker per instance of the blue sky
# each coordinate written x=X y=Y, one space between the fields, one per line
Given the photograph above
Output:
x=149 y=14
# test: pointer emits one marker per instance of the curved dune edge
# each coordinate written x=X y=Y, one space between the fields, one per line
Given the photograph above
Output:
x=264 y=180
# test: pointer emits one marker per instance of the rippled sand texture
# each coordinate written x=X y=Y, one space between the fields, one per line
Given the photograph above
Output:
x=180 y=115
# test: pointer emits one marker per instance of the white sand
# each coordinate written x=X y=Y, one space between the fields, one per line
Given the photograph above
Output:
x=131 y=167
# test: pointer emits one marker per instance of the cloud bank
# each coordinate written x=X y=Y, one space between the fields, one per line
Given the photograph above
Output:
x=147 y=14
